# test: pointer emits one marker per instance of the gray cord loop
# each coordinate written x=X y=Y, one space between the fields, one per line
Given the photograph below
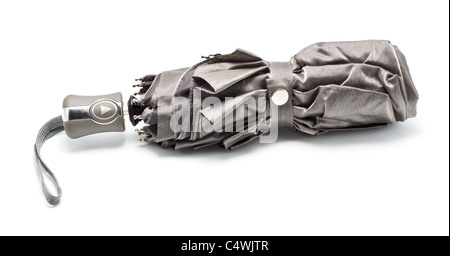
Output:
x=50 y=129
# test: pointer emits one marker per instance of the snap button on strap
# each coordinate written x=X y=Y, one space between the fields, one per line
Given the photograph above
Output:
x=280 y=86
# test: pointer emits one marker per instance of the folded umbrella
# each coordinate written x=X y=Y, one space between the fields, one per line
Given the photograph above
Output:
x=329 y=86
x=230 y=100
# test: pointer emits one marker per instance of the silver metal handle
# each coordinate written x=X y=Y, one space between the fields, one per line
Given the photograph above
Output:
x=86 y=115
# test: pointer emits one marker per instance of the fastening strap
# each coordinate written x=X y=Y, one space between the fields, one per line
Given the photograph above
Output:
x=281 y=78
x=50 y=129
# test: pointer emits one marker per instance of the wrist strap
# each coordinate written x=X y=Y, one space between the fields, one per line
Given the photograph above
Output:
x=50 y=129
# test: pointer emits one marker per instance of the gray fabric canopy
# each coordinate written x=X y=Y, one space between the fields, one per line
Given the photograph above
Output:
x=331 y=86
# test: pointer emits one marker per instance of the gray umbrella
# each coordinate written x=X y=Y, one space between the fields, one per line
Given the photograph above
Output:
x=232 y=99
x=326 y=87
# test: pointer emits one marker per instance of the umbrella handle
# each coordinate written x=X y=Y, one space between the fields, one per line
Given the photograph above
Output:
x=82 y=115
x=86 y=115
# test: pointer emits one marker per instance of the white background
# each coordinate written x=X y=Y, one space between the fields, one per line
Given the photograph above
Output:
x=390 y=181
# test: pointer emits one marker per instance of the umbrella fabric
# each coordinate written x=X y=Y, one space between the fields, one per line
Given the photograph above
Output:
x=331 y=86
